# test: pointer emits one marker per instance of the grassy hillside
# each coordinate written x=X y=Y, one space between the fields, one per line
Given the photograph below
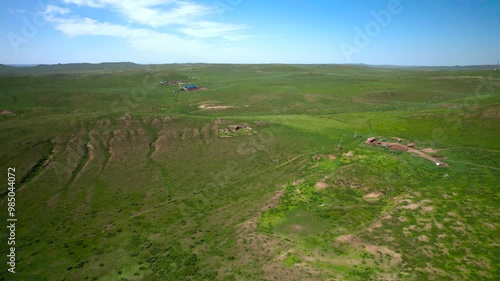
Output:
x=121 y=178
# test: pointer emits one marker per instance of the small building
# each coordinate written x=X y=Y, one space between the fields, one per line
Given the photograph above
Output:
x=190 y=87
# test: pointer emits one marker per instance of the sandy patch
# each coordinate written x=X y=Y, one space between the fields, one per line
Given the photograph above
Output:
x=493 y=113
x=428 y=227
x=376 y=250
x=186 y=134
x=6 y=112
x=427 y=209
x=373 y=195
x=297 y=182
x=158 y=145
x=119 y=136
x=321 y=185
x=156 y=122
x=205 y=131
x=439 y=226
x=489 y=225
x=429 y=150
x=92 y=154
x=208 y=106
x=410 y=207
x=375 y=226
x=423 y=238
x=349 y=155
x=349 y=239
x=408 y=229
x=373 y=249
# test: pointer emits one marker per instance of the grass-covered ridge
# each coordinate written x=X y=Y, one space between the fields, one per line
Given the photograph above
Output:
x=121 y=178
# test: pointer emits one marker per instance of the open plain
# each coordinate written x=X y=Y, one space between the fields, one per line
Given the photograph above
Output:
x=263 y=175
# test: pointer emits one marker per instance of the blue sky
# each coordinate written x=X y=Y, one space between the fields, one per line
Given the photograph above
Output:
x=398 y=32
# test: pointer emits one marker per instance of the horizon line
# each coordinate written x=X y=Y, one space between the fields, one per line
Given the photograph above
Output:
x=223 y=63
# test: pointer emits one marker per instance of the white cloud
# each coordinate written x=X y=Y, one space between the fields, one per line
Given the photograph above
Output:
x=52 y=10
x=86 y=26
x=182 y=13
x=187 y=16
x=154 y=13
x=89 y=3
x=146 y=40
x=137 y=37
x=207 y=29
x=187 y=27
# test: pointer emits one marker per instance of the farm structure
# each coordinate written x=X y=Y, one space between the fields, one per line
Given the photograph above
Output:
x=183 y=86
x=189 y=87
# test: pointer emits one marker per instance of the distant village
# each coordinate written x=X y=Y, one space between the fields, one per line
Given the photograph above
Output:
x=183 y=86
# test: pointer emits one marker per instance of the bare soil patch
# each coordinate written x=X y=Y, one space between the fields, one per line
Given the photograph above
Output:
x=423 y=238
x=350 y=239
x=260 y=123
x=395 y=260
x=208 y=106
x=92 y=155
x=349 y=155
x=456 y=77
x=119 y=136
x=197 y=89
x=321 y=185
x=411 y=206
x=408 y=147
x=257 y=242
x=427 y=209
x=297 y=182
x=375 y=250
x=375 y=226
x=175 y=82
x=489 y=225
x=492 y=113
x=375 y=194
x=235 y=130
x=158 y=145
x=6 y=112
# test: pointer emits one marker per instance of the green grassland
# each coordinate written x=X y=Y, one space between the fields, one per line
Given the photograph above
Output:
x=121 y=178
